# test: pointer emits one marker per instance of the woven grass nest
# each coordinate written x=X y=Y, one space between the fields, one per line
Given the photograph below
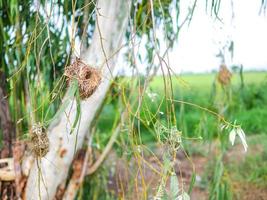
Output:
x=88 y=77
x=224 y=75
x=39 y=140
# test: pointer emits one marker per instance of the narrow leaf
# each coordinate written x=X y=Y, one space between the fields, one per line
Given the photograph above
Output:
x=192 y=182
x=174 y=184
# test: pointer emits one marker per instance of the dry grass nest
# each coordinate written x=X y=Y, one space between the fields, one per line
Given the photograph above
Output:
x=88 y=77
x=39 y=140
x=224 y=75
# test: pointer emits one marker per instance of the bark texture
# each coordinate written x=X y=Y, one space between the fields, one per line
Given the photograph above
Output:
x=7 y=188
x=52 y=170
x=6 y=124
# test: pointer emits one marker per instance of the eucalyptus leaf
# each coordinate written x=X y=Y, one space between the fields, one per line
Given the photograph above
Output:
x=174 y=186
x=78 y=111
x=70 y=96
x=192 y=182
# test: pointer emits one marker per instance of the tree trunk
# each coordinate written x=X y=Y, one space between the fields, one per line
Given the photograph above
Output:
x=7 y=188
x=6 y=123
x=52 y=170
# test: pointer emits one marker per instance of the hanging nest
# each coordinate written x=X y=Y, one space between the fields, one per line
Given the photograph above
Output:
x=88 y=77
x=224 y=75
x=39 y=140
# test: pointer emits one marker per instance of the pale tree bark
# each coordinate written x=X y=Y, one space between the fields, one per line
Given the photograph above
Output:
x=53 y=168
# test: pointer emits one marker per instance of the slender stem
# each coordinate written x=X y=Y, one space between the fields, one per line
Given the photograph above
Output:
x=220 y=117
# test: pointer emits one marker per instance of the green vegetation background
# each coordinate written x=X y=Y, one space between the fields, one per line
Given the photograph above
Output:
x=248 y=104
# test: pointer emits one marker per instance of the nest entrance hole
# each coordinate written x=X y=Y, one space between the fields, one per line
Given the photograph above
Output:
x=88 y=77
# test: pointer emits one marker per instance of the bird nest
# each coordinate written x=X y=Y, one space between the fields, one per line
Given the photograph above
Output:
x=88 y=77
x=224 y=75
x=39 y=140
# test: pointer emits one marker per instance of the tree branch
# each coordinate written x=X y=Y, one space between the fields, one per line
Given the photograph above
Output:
x=55 y=165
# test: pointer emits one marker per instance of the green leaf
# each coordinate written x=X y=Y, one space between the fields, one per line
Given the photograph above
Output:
x=174 y=184
x=78 y=111
x=192 y=182
x=69 y=98
x=13 y=8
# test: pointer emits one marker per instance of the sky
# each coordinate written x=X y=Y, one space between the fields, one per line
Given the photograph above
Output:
x=199 y=42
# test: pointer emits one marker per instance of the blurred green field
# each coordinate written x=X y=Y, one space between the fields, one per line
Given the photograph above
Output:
x=246 y=105
x=204 y=81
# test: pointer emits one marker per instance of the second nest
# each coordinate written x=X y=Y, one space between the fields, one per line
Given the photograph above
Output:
x=88 y=77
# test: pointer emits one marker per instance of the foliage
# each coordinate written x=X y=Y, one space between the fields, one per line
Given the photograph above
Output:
x=196 y=123
x=36 y=44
